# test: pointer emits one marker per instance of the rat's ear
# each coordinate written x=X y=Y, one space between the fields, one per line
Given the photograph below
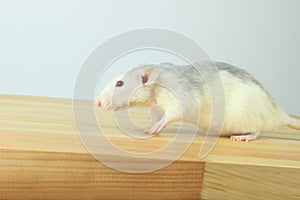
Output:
x=150 y=75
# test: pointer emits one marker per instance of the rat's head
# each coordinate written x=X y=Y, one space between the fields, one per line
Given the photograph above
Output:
x=134 y=88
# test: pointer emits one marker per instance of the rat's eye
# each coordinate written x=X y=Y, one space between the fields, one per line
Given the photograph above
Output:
x=119 y=84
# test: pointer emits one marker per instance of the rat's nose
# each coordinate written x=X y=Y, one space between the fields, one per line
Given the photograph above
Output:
x=98 y=103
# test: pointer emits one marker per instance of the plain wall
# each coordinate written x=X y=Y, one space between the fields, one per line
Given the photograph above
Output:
x=44 y=43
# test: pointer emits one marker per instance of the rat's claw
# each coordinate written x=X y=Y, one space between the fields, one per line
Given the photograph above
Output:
x=156 y=128
x=244 y=138
x=149 y=132
x=239 y=138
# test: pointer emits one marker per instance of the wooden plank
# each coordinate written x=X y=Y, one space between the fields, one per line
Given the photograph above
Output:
x=229 y=181
x=41 y=156
x=44 y=175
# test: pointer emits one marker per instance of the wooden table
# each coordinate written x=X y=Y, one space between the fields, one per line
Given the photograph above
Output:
x=42 y=157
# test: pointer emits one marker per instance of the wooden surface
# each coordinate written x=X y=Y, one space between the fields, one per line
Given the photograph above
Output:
x=42 y=157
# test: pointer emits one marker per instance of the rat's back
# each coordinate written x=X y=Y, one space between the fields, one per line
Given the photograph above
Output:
x=249 y=108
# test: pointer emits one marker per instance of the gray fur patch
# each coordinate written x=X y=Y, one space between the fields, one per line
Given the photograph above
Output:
x=237 y=72
x=192 y=74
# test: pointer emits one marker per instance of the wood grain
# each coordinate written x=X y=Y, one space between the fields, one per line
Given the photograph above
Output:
x=42 y=157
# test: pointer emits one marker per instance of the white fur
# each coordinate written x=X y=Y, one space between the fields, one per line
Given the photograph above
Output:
x=106 y=96
x=249 y=109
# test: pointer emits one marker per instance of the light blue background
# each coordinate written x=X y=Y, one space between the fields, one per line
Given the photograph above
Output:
x=44 y=43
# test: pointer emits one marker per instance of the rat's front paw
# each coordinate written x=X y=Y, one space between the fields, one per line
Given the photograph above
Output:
x=154 y=129
x=157 y=127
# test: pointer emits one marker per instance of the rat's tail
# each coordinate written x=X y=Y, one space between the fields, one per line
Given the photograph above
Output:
x=293 y=123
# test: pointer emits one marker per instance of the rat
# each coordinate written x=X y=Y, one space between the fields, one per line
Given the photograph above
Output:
x=179 y=92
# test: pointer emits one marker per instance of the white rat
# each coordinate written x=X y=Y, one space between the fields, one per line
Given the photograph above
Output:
x=182 y=94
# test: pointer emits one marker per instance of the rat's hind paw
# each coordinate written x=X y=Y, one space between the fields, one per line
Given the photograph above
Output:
x=244 y=138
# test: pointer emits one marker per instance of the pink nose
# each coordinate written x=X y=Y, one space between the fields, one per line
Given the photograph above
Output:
x=98 y=103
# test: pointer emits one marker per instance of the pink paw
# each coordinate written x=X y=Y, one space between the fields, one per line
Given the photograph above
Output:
x=149 y=133
x=239 y=138
x=244 y=138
